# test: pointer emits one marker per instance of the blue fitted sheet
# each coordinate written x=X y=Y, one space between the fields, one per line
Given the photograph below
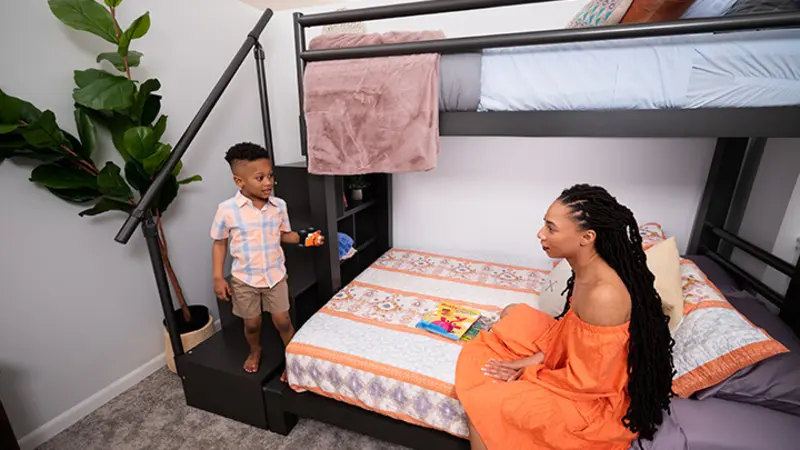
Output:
x=725 y=70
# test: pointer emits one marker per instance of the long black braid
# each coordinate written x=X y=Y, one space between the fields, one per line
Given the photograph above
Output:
x=618 y=242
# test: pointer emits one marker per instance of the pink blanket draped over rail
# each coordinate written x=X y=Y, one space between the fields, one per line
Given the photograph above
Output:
x=373 y=114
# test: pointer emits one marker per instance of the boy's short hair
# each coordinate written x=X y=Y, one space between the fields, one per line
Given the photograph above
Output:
x=246 y=151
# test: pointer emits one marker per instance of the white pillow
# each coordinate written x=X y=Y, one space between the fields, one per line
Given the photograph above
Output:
x=550 y=299
x=663 y=260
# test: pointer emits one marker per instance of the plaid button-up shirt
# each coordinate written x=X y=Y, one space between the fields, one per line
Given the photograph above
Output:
x=255 y=238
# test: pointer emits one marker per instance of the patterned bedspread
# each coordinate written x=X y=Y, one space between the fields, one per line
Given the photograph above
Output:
x=362 y=347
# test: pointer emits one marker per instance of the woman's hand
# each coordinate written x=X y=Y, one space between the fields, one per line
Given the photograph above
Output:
x=511 y=370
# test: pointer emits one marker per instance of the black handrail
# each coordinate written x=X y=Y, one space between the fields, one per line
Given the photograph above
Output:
x=407 y=10
x=628 y=31
x=125 y=233
x=142 y=213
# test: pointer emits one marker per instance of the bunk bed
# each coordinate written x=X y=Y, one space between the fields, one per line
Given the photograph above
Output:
x=357 y=380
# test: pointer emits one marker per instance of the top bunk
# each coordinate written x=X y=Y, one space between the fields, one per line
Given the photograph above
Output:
x=731 y=76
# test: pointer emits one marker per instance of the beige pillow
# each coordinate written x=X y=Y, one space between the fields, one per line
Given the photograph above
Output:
x=664 y=262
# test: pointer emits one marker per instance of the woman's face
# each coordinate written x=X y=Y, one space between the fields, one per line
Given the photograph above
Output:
x=560 y=235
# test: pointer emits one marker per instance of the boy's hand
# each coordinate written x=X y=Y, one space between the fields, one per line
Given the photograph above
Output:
x=311 y=238
x=222 y=289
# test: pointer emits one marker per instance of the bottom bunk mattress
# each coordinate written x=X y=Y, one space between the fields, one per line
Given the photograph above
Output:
x=363 y=347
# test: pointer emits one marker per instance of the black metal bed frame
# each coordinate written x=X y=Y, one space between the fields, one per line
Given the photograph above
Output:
x=730 y=176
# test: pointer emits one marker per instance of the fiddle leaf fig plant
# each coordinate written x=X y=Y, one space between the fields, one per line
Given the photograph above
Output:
x=127 y=108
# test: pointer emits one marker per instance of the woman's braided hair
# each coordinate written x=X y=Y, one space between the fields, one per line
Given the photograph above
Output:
x=618 y=242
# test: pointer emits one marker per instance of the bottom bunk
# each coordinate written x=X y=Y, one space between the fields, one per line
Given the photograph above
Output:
x=361 y=363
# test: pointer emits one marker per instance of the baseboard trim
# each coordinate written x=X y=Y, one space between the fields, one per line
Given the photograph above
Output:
x=69 y=417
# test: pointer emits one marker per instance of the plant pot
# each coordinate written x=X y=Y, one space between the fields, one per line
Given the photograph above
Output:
x=192 y=334
x=357 y=195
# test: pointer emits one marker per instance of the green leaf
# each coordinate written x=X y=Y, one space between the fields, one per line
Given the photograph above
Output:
x=177 y=170
x=14 y=110
x=138 y=29
x=5 y=129
x=78 y=195
x=62 y=177
x=142 y=98
x=151 y=108
x=38 y=155
x=134 y=58
x=154 y=162
x=167 y=194
x=106 y=204
x=119 y=143
x=87 y=131
x=85 y=15
x=116 y=123
x=12 y=141
x=140 y=142
x=191 y=179
x=136 y=176
x=100 y=90
x=44 y=133
x=86 y=77
x=160 y=127
x=112 y=184
x=113 y=3
x=76 y=147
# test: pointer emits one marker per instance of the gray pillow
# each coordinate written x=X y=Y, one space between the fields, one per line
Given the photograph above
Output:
x=773 y=383
x=743 y=7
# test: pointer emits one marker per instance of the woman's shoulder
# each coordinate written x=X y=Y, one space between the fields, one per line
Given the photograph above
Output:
x=606 y=304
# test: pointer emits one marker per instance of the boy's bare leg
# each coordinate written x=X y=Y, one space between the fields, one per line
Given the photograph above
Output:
x=252 y=332
x=283 y=324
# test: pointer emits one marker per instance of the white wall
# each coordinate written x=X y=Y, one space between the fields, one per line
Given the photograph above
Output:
x=772 y=215
x=787 y=244
x=80 y=311
x=487 y=192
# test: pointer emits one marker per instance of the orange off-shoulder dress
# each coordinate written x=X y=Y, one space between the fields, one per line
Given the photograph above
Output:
x=576 y=399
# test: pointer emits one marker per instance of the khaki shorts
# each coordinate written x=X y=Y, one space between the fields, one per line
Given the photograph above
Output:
x=249 y=302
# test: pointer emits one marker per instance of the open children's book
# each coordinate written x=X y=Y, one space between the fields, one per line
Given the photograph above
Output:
x=451 y=321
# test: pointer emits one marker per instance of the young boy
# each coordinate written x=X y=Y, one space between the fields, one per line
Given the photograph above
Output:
x=256 y=224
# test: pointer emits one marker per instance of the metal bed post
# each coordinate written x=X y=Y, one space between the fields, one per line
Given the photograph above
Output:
x=741 y=195
x=723 y=176
x=299 y=48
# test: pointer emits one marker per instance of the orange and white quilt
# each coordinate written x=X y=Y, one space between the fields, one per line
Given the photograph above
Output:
x=362 y=347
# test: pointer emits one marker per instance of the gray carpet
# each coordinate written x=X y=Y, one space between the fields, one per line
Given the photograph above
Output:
x=153 y=415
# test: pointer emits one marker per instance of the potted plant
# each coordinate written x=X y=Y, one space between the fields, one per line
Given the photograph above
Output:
x=129 y=109
x=357 y=184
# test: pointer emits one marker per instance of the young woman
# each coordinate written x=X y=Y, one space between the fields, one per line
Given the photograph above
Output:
x=596 y=376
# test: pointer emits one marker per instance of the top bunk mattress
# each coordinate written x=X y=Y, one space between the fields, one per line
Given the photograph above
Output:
x=721 y=70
